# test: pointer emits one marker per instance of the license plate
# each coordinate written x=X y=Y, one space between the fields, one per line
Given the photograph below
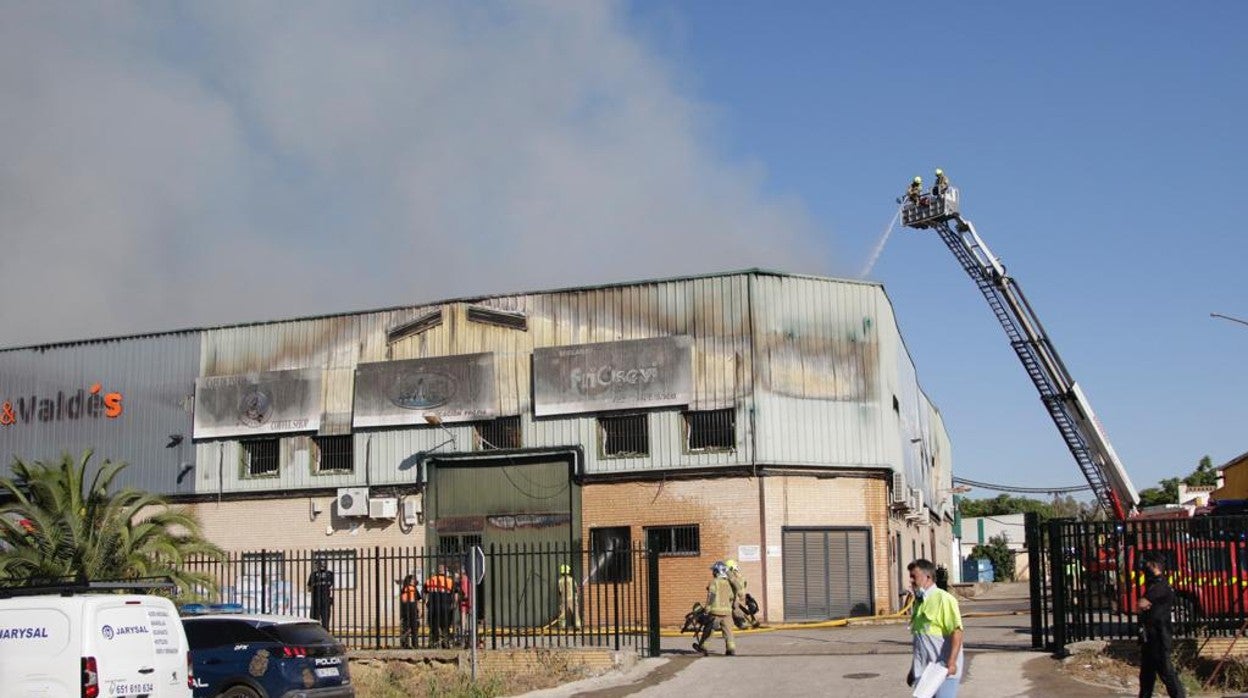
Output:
x=327 y=672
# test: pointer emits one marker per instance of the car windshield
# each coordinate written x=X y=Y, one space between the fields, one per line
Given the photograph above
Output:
x=302 y=634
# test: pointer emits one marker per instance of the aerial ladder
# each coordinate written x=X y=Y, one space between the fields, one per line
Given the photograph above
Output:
x=1063 y=399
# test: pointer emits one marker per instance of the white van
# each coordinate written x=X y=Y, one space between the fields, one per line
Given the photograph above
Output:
x=90 y=645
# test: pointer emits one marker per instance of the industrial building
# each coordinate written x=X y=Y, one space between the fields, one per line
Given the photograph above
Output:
x=772 y=418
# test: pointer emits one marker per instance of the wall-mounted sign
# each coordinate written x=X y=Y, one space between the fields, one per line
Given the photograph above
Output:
x=252 y=404
x=635 y=374
x=90 y=403
x=455 y=388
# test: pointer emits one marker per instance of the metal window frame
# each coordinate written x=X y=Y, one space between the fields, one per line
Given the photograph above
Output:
x=318 y=468
x=604 y=439
x=482 y=441
x=690 y=416
x=247 y=457
x=673 y=530
x=606 y=573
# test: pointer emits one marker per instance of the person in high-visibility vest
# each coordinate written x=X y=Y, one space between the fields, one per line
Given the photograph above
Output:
x=719 y=599
x=569 y=611
x=439 y=608
x=409 y=611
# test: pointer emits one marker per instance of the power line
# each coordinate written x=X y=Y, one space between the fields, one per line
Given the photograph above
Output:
x=1023 y=490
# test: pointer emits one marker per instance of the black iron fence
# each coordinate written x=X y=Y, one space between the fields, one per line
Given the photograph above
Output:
x=609 y=600
x=1087 y=577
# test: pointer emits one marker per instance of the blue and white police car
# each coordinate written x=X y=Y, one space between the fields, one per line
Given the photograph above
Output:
x=247 y=655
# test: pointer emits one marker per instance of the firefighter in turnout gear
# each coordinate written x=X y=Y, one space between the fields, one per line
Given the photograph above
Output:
x=915 y=192
x=569 y=613
x=942 y=183
x=740 y=617
x=719 y=603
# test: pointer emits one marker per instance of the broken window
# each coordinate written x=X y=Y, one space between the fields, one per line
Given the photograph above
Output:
x=260 y=458
x=625 y=436
x=503 y=432
x=609 y=551
x=711 y=430
x=335 y=454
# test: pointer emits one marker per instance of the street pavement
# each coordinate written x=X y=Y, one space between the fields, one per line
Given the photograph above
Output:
x=858 y=660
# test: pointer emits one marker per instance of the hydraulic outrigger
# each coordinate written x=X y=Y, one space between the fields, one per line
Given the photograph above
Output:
x=1062 y=397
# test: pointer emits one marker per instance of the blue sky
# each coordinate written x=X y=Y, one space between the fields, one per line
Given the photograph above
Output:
x=173 y=165
x=1100 y=150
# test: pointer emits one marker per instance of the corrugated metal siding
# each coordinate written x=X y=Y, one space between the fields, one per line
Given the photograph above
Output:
x=828 y=354
x=818 y=347
x=154 y=374
x=713 y=310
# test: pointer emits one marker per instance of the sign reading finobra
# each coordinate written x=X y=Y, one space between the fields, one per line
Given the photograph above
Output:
x=455 y=388
x=634 y=374
x=252 y=403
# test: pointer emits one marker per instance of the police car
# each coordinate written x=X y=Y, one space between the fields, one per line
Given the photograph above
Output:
x=247 y=655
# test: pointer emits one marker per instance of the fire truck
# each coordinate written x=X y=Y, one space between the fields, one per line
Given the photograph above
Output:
x=1062 y=397
x=1209 y=570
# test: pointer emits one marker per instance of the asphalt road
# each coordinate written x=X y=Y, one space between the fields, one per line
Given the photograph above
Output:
x=860 y=660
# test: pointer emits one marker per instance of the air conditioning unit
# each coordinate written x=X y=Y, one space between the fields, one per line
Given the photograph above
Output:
x=383 y=508
x=899 y=488
x=919 y=506
x=912 y=500
x=411 y=511
x=353 y=501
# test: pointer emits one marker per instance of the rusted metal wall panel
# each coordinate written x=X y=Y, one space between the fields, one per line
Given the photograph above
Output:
x=154 y=379
x=828 y=352
x=817 y=347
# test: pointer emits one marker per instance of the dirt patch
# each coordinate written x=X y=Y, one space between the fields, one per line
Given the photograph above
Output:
x=1117 y=665
x=402 y=675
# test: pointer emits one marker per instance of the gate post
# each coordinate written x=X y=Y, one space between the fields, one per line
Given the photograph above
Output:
x=377 y=596
x=652 y=599
x=1034 y=540
x=1057 y=586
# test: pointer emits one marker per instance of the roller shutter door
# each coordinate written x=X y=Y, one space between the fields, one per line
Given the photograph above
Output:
x=827 y=573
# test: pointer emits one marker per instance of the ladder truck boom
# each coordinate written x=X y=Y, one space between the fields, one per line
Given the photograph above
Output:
x=1061 y=395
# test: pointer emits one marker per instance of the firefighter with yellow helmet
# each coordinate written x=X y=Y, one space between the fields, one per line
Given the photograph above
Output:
x=915 y=192
x=719 y=603
x=569 y=613
x=737 y=581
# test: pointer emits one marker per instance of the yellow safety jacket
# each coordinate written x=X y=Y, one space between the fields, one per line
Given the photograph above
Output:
x=719 y=597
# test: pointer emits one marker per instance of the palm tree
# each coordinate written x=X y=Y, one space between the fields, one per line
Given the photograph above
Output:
x=55 y=525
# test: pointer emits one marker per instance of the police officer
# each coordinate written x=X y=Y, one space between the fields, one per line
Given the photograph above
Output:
x=321 y=585
x=569 y=611
x=719 y=603
x=439 y=607
x=1156 y=633
x=409 y=611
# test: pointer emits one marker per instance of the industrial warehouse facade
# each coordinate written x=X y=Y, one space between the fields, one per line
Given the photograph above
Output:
x=771 y=418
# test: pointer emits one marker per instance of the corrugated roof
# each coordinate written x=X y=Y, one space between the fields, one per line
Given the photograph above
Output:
x=462 y=299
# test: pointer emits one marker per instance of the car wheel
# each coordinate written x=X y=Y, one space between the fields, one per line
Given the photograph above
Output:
x=238 y=692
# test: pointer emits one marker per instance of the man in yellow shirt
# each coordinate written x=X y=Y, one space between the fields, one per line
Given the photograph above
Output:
x=936 y=624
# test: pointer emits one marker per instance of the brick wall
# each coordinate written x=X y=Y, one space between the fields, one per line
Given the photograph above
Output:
x=287 y=524
x=794 y=500
x=729 y=515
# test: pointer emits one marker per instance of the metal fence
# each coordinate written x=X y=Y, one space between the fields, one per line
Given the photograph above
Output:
x=518 y=597
x=1088 y=576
